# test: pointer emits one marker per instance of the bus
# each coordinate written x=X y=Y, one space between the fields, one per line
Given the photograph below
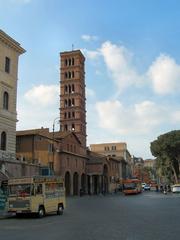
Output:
x=38 y=194
x=132 y=186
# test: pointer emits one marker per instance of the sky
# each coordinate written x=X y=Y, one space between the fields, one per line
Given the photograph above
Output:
x=132 y=65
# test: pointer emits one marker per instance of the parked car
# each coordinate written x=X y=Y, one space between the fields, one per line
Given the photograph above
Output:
x=143 y=184
x=147 y=187
x=175 y=188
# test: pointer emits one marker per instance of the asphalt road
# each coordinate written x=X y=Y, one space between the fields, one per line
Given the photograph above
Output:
x=148 y=216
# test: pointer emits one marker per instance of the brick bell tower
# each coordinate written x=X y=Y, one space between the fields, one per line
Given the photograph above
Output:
x=72 y=94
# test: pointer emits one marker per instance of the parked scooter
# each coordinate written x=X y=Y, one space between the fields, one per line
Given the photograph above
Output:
x=165 y=189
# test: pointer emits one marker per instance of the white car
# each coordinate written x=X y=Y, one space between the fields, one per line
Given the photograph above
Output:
x=147 y=187
x=176 y=188
x=143 y=184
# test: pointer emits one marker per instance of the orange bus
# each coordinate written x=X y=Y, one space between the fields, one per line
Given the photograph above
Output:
x=132 y=186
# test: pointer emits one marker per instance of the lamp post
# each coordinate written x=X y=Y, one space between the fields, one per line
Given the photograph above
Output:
x=53 y=148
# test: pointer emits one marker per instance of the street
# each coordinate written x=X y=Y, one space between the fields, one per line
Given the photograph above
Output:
x=147 y=216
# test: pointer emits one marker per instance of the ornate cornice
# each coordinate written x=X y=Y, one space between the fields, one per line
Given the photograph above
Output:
x=11 y=42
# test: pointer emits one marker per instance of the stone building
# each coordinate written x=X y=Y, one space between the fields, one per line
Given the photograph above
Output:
x=102 y=173
x=118 y=151
x=10 y=50
x=61 y=151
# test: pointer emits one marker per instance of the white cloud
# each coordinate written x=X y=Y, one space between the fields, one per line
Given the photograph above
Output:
x=93 y=55
x=165 y=75
x=118 y=60
x=43 y=95
x=137 y=119
x=89 y=38
x=38 y=107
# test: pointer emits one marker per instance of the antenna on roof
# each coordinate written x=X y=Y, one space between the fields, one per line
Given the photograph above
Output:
x=72 y=47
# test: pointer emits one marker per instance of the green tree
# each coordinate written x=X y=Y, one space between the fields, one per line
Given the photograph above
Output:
x=166 y=149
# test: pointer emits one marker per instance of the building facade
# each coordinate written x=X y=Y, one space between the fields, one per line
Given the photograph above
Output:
x=62 y=152
x=118 y=151
x=10 y=50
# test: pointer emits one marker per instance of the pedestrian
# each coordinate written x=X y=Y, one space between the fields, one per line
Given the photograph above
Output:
x=161 y=188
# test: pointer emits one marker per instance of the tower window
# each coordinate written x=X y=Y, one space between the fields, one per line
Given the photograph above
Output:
x=5 y=100
x=69 y=74
x=69 y=102
x=73 y=102
x=3 y=141
x=69 y=115
x=72 y=87
x=66 y=75
x=66 y=88
x=65 y=103
x=73 y=114
x=72 y=74
x=73 y=127
x=72 y=61
x=69 y=88
x=65 y=115
x=66 y=62
x=7 y=65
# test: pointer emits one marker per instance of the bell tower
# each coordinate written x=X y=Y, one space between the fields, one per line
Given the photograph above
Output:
x=72 y=94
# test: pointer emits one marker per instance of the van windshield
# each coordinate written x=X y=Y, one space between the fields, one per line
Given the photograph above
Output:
x=20 y=190
x=129 y=186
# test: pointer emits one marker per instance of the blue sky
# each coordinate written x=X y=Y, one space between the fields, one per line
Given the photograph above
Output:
x=132 y=64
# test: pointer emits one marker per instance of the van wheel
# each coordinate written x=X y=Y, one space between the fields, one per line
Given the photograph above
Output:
x=41 y=212
x=60 y=209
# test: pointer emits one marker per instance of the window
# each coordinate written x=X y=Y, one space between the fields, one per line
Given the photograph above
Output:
x=50 y=147
x=65 y=115
x=73 y=88
x=76 y=163
x=73 y=102
x=69 y=88
x=66 y=88
x=73 y=115
x=66 y=62
x=73 y=127
x=3 y=141
x=69 y=115
x=7 y=65
x=65 y=103
x=72 y=61
x=38 y=189
x=69 y=102
x=68 y=162
x=69 y=74
x=73 y=74
x=66 y=127
x=5 y=100
x=113 y=148
x=69 y=62
x=66 y=75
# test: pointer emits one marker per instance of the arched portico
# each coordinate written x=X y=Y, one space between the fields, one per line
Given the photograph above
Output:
x=68 y=183
x=75 y=184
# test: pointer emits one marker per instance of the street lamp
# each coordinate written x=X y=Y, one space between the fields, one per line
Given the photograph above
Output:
x=52 y=167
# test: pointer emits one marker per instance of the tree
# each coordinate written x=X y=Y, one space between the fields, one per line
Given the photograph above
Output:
x=166 y=149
